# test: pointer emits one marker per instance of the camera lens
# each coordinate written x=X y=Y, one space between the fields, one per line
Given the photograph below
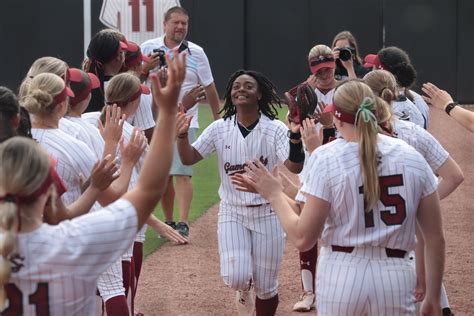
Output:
x=345 y=54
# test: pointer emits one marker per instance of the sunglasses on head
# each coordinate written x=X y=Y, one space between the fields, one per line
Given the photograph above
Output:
x=320 y=59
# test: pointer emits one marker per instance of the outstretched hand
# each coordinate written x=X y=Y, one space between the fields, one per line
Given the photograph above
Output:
x=242 y=183
x=265 y=183
x=104 y=173
x=182 y=123
x=435 y=96
x=167 y=97
x=311 y=137
x=114 y=120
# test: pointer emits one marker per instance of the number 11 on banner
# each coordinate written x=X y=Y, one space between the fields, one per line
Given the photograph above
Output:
x=135 y=7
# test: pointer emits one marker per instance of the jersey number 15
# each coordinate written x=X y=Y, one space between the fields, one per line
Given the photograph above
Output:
x=395 y=200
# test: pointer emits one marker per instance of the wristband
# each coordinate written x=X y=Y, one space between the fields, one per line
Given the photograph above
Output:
x=450 y=106
x=296 y=152
x=294 y=136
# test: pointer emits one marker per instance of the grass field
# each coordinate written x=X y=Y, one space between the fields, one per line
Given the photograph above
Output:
x=205 y=183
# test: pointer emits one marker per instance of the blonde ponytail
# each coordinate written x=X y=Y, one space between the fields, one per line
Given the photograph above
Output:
x=8 y=211
x=357 y=98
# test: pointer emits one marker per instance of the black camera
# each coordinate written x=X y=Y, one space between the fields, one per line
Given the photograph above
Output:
x=345 y=53
x=161 y=56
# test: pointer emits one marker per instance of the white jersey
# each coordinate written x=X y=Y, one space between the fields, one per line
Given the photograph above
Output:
x=138 y=20
x=326 y=98
x=143 y=117
x=98 y=142
x=55 y=268
x=198 y=70
x=423 y=142
x=422 y=106
x=77 y=131
x=267 y=141
x=335 y=177
x=93 y=118
x=74 y=159
x=407 y=111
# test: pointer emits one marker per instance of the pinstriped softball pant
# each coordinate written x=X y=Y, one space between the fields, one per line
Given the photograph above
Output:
x=251 y=244
x=364 y=282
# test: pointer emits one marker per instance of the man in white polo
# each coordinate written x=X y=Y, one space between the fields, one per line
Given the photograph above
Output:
x=198 y=72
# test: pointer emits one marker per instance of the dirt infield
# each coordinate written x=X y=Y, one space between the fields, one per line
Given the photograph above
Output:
x=184 y=280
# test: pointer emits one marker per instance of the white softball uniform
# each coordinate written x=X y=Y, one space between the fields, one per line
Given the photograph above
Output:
x=198 y=70
x=369 y=278
x=77 y=131
x=407 y=111
x=138 y=20
x=325 y=97
x=251 y=240
x=423 y=142
x=97 y=142
x=74 y=159
x=59 y=278
x=143 y=117
x=422 y=107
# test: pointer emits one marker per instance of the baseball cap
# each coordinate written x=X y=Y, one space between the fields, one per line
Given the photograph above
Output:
x=67 y=92
x=340 y=114
x=320 y=62
x=72 y=76
x=83 y=87
x=134 y=55
x=372 y=60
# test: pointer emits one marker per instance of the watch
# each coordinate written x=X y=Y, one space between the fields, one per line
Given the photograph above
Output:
x=292 y=135
x=450 y=106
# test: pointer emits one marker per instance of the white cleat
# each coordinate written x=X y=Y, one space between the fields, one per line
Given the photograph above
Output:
x=306 y=303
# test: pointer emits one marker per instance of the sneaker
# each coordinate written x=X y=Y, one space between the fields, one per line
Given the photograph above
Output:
x=172 y=224
x=306 y=303
x=183 y=229
x=245 y=301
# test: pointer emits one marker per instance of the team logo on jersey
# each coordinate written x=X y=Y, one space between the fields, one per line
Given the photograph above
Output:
x=227 y=146
x=16 y=262
x=231 y=169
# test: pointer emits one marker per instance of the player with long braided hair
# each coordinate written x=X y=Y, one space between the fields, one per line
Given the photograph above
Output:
x=251 y=240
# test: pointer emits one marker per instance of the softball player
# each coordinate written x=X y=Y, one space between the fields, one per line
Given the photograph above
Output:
x=365 y=192
x=250 y=238
x=46 y=271
x=322 y=65
x=397 y=61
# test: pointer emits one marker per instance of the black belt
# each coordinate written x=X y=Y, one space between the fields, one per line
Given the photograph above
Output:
x=391 y=253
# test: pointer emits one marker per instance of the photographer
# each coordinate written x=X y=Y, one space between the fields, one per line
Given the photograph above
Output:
x=346 y=53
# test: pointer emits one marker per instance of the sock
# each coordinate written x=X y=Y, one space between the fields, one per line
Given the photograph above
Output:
x=308 y=268
x=266 y=307
x=117 y=305
x=126 y=274
x=138 y=259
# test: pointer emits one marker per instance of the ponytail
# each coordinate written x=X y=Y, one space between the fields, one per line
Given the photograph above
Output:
x=8 y=211
x=367 y=130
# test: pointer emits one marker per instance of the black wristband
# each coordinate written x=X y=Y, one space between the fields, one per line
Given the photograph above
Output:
x=296 y=152
x=328 y=133
x=450 y=106
x=293 y=135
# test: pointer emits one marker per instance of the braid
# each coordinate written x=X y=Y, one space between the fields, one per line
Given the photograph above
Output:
x=267 y=104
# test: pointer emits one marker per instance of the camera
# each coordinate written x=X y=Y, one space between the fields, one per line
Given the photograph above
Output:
x=345 y=53
x=161 y=56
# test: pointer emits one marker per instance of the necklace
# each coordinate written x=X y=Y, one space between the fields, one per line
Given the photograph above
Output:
x=252 y=126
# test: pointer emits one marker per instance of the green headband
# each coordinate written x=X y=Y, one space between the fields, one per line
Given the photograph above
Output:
x=365 y=111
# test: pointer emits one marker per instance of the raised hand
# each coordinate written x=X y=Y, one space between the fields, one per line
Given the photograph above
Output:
x=114 y=119
x=135 y=147
x=104 y=173
x=311 y=137
x=435 y=96
x=169 y=233
x=192 y=96
x=325 y=119
x=266 y=183
x=166 y=97
x=242 y=183
x=182 y=123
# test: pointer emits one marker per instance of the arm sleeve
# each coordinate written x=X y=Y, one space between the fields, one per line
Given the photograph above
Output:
x=431 y=149
x=205 y=144
x=96 y=240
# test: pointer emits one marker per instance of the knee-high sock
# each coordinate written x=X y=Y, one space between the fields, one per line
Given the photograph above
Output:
x=266 y=307
x=308 y=268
